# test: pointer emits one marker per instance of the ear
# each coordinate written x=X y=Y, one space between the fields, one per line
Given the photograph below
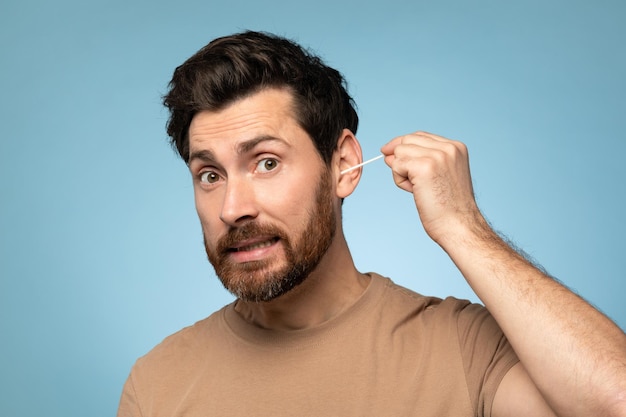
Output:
x=348 y=154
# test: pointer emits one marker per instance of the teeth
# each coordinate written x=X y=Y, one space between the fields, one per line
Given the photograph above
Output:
x=255 y=246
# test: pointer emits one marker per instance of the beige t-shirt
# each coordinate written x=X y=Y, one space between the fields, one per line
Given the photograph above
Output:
x=393 y=353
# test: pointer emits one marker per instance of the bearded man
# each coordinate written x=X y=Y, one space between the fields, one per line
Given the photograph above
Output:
x=258 y=119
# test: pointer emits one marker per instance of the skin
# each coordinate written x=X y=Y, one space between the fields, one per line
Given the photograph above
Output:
x=246 y=191
x=261 y=278
x=573 y=359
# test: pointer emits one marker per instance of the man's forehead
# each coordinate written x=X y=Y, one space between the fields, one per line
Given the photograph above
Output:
x=259 y=120
x=265 y=112
x=241 y=148
x=209 y=125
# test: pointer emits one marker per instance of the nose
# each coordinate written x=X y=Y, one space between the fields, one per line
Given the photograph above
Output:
x=239 y=203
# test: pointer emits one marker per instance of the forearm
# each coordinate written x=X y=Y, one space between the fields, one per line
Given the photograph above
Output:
x=574 y=354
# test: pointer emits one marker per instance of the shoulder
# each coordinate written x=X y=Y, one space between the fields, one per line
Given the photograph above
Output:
x=448 y=317
x=429 y=307
x=180 y=350
x=459 y=337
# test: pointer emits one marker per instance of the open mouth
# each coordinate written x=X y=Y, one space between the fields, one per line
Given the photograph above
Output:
x=256 y=245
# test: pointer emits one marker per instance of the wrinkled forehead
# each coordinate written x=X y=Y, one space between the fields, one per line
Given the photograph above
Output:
x=263 y=118
x=266 y=109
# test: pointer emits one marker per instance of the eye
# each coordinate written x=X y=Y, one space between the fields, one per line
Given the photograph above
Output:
x=209 y=177
x=266 y=164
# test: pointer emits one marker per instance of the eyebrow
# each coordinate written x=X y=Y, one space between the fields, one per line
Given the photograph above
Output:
x=247 y=146
x=243 y=148
x=203 y=155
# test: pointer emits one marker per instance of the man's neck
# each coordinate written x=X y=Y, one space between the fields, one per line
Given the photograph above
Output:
x=329 y=290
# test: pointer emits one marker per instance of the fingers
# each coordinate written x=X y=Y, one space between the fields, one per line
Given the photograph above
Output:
x=417 y=145
x=420 y=155
x=436 y=171
x=427 y=140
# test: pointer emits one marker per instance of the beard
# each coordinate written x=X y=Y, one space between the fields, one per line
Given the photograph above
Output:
x=265 y=280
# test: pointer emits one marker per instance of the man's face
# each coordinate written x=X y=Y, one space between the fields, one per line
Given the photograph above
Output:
x=263 y=195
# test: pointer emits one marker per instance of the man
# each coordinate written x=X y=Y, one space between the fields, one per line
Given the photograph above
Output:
x=267 y=130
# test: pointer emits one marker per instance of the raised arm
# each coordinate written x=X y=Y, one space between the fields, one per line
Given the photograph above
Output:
x=570 y=352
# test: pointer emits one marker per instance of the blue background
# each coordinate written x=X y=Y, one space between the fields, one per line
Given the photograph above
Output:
x=100 y=249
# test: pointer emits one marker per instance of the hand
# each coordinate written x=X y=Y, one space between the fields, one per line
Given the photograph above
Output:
x=436 y=170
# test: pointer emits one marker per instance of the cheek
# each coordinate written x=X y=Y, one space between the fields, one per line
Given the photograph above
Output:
x=286 y=202
x=207 y=212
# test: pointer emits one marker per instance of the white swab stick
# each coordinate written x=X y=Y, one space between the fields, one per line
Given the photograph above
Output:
x=361 y=164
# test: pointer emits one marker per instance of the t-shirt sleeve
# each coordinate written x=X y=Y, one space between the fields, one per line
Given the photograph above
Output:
x=486 y=353
x=129 y=407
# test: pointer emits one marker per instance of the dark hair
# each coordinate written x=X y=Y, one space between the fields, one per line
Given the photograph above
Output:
x=233 y=67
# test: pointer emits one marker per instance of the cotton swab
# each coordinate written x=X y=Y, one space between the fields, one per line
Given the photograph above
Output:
x=361 y=164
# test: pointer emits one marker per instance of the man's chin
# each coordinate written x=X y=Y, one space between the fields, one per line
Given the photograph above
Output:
x=264 y=287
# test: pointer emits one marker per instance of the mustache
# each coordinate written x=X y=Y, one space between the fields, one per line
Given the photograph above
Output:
x=250 y=230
